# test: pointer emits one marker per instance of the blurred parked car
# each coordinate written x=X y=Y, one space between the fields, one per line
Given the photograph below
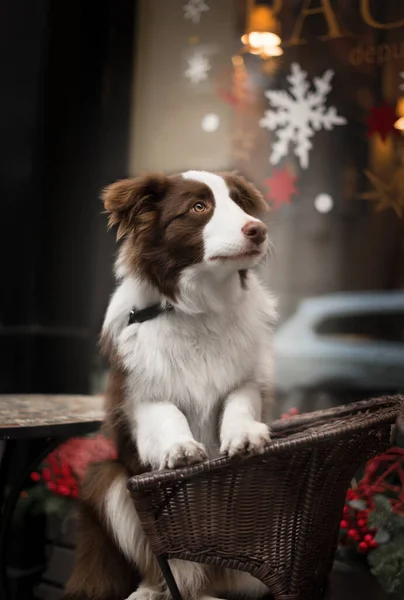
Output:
x=340 y=347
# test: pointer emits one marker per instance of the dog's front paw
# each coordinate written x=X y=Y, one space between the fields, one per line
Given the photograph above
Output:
x=184 y=453
x=145 y=592
x=250 y=439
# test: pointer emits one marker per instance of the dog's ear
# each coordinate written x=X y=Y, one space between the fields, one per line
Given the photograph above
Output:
x=128 y=199
x=246 y=194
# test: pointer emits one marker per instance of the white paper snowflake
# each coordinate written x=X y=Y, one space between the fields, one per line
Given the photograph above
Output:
x=198 y=67
x=401 y=86
x=297 y=115
x=193 y=10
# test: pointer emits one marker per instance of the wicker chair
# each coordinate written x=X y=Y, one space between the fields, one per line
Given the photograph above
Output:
x=275 y=516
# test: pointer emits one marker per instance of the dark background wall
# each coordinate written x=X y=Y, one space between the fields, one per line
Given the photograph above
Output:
x=66 y=76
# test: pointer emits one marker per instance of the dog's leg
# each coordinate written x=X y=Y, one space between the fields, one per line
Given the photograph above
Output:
x=245 y=585
x=241 y=429
x=164 y=438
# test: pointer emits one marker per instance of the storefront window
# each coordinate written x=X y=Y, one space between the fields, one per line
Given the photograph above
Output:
x=305 y=99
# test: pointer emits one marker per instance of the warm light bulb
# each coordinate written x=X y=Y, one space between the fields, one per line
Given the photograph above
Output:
x=271 y=51
x=261 y=39
x=263 y=43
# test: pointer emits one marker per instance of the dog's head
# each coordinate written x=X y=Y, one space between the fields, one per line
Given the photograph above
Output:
x=197 y=219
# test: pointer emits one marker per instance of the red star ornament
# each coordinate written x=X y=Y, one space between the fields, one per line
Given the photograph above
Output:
x=281 y=186
x=381 y=120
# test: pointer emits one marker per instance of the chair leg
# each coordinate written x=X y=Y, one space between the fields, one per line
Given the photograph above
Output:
x=326 y=592
x=169 y=577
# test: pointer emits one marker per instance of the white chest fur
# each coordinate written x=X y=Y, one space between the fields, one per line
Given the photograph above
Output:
x=195 y=361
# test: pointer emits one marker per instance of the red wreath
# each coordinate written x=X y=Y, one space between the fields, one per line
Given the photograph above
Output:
x=383 y=475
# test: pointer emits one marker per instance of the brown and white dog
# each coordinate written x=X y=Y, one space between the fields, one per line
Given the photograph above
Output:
x=190 y=383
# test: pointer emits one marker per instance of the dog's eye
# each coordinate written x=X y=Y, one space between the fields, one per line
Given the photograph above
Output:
x=199 y=207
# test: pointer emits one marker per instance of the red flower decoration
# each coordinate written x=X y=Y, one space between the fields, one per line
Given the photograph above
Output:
x=381 y=120
x=281 y=186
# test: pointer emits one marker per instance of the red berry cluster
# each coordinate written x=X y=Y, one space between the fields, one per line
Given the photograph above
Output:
x=354 y=526
x=66 y=466
x=292 y=413
x=58 y=478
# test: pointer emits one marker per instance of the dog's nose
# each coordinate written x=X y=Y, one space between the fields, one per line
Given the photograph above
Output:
x=255 y=231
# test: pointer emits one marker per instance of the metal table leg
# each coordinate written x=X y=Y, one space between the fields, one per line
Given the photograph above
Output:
x=5 y=468
x=169 y=577
x=9 y=501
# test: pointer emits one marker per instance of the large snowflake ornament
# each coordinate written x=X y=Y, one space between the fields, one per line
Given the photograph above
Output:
x=297 y=115
x=193 y=10
x=198 y=67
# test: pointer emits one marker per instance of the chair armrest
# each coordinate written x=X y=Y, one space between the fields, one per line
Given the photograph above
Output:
x=289 y=435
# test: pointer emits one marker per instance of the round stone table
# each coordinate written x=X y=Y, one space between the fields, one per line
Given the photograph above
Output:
x=41 y=423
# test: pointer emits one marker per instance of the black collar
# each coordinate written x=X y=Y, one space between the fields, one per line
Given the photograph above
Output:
x=148 y=313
